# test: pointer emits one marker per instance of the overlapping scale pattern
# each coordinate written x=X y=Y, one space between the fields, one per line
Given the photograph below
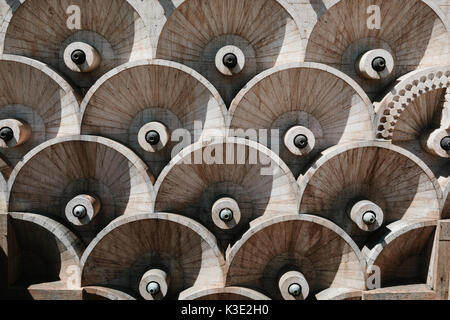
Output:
x=224 y=150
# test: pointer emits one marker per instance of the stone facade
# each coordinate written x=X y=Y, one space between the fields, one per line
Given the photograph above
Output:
x=224 y=149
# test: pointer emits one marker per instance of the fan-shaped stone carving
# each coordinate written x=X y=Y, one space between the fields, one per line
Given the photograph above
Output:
x=82 y=39
x=229 y=293
x=179 y=253
x=314 y=247
x=291 y=98
x=142 y=97
x=363 y=186
x=407 y=35
x=44 y=257
x=416 y=116
x=36 y=105
x=402 y=252
x=231 y=41
x=226 y=185
x=83 y=181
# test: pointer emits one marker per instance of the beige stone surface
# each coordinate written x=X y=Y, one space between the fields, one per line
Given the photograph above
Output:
x=137 y=93
x=441 y=278
x=446 y=211
x=250 y=174
x=339 y=294
x=114 y=177
x=319 y=249
x=101 y=293
x=390 y=177
x=41 y=248
x=113 y=27
x=192 y=259
x=264 y=30
x=23 y=84
x=228 y=293
x=81 y=165
x=415 y=115
x=407 y=292
x=293 y=94
x=418 y=39
x=400 y=251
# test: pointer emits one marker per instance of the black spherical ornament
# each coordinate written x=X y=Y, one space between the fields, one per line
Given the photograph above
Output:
x=230 y=60
x=79 y=212
x=295 y=290
x=226 y=215
x=153 y=288
x=78 y=57
x=379 y=64
x=6 y=134
x=301 y=141
x=152 y=137
x=369 y=218
x=445 y=143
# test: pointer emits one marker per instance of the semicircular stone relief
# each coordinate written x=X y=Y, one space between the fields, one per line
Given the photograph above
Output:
x=81 y=39
x=376 y=43
x=230 y=41
x=92 y=181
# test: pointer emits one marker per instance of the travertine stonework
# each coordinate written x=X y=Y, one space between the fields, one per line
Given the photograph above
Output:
x=224 y=149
